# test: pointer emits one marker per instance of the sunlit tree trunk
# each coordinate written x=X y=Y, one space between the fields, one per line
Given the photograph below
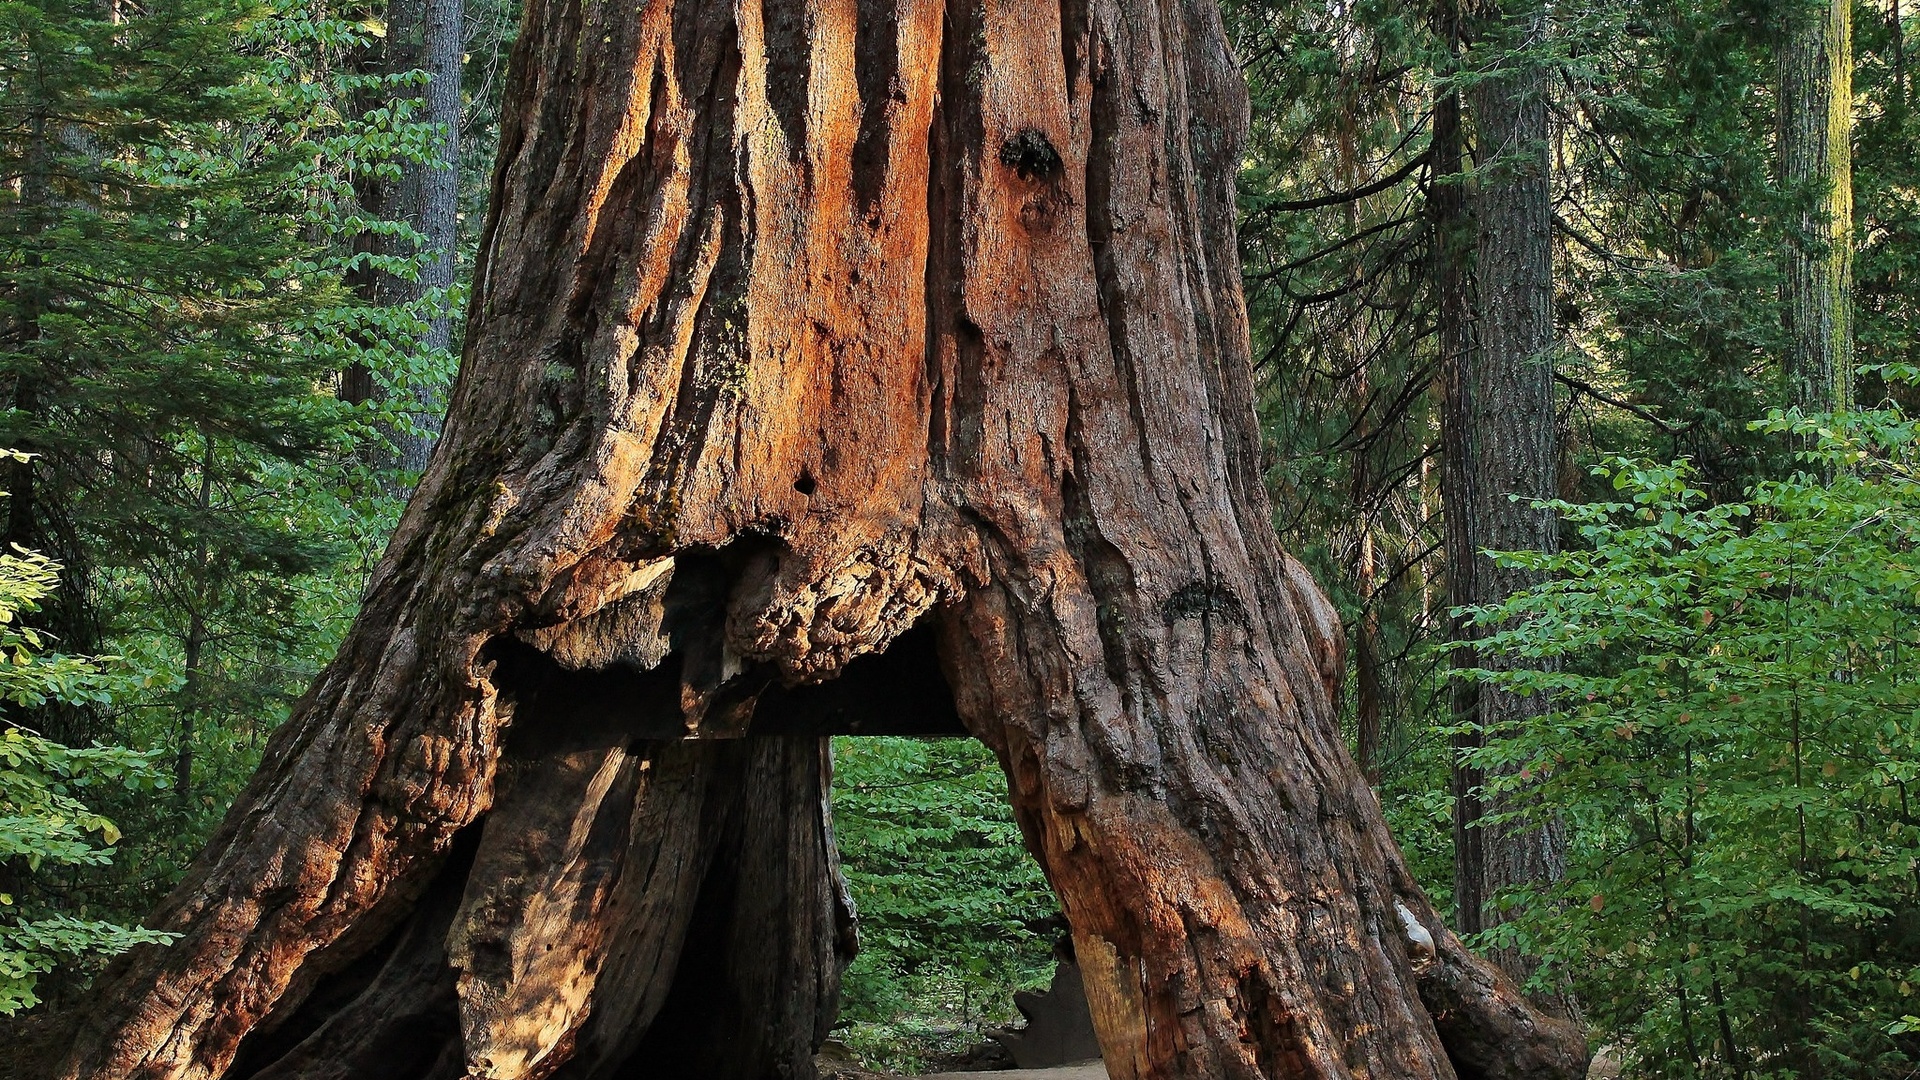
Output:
x=1816 y=165
x=828 y=361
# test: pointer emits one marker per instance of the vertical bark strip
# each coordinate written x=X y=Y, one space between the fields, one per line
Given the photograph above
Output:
x=786 y=341
x=1459 y=481
x=432 y=200
x=1816 y=166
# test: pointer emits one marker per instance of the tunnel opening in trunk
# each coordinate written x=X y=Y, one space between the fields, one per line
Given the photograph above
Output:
x=655 y=891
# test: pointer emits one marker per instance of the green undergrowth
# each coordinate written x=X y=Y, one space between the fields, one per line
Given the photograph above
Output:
x=954 y=913
x=1734 y=744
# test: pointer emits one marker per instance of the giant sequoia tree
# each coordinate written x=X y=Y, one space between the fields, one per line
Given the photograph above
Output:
x=833 y=366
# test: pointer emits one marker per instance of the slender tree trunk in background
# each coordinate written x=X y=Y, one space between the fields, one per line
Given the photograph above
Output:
x=1500 y=441
x=1899 y=31
x=29 y=215
x=1816 y=162
x=193 y=645
x=374 y=194
x=1367 y=706
x=421 y=35
x=432 y=41
x=1366 y=663
x=811 y=338
x=22 y=530
x=1453 y=316
x=188 y=707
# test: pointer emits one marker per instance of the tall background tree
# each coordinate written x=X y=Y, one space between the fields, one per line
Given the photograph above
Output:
x=1498 y=420
x=411 y=71
x=1816 y=171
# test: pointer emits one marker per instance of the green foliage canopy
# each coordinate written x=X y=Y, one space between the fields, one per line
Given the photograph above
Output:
x=951 y=905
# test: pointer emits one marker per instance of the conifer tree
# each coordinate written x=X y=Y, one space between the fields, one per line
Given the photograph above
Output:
x=146 y=263
x=1499 y=427
x=171 y=323
x=1816 y=169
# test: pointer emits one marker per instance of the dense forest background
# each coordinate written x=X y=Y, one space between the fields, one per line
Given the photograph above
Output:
x=1626 y=291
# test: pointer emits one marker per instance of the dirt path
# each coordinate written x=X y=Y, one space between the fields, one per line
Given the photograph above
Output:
x=1092 y=1070
x=1604 y=1068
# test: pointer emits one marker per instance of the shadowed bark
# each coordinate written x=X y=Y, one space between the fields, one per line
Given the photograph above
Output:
x=827 y=357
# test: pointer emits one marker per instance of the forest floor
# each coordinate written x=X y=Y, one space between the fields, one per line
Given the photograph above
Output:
x=1088 y=1071
x=1604 y=1067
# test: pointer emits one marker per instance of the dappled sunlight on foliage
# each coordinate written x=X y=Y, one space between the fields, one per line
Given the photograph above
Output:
x=45 y=822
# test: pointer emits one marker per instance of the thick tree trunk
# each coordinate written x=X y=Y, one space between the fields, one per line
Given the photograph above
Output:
x=1499 y=431
x=808 y=336
x=1816 y=165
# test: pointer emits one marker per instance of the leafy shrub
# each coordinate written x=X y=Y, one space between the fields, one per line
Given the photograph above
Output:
x=43 y=822
x=1736 y=745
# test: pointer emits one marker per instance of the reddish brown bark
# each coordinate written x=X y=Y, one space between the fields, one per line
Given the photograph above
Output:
x=801 y=325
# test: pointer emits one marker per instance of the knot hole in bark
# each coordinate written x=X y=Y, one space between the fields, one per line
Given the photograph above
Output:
x=1031 y=155
x=806 y=485
x=1200 y=599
